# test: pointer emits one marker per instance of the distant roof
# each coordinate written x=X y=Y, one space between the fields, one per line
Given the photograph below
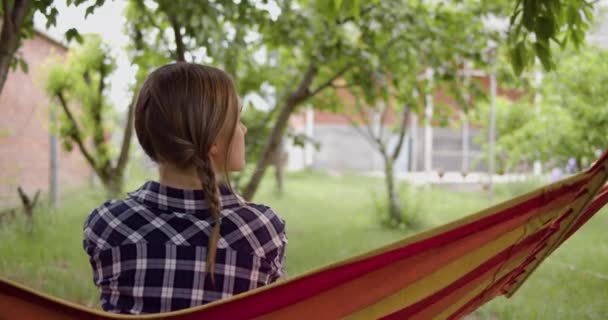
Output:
x=47 y=36
x=50 y=38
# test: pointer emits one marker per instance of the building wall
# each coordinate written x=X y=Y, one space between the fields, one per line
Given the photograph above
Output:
x=447 y=154
x=344 y=149
x=24 y=129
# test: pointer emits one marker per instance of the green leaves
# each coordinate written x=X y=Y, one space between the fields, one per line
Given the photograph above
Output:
x=543 y=52
x=81 y=82
x=73 y=34
x=51 y=17
x=91 y=9
x=519 y=57
x=569 y=123
x=546 y=27
x=23 y=65
x=50 y=12
x=536 y=24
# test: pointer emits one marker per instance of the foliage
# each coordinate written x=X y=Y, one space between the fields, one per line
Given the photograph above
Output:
x=568 y=122
x=221 y=33
x=25 y=25
x=301 y=50
x=80 y=80
x=80 y=87
x=536 y=25
x=396 y=74
x=411 y=205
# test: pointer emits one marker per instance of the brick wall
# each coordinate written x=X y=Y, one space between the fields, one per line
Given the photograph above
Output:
x=24 y=129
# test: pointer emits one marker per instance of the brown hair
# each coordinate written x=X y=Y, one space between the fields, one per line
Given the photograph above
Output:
x=181 y=110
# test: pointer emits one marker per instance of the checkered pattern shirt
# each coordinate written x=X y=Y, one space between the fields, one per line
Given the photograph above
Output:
x=148 y=251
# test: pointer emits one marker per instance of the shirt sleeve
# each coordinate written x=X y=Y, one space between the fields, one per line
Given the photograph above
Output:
x=278 y=261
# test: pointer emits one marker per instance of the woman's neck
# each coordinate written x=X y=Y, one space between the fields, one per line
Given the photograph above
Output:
x=174 y=177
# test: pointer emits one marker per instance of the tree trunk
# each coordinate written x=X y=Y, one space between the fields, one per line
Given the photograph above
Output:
x=12 y=22
x=301 y=94
x=123 y=157
x=28 y=206
x=113 y=185
x=8 y=46
x=5 y=63
x=271 y=146
x=278 y=168
x=395 y=212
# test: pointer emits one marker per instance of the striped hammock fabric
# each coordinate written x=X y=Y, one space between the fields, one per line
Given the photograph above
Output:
x=443 y=273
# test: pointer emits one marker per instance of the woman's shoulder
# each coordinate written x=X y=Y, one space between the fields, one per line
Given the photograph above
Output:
x=111 y=208
x=108 y=216
x=259 y=213
x=255 y=227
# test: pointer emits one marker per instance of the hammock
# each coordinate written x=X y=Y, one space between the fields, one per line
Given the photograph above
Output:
x=443 y=273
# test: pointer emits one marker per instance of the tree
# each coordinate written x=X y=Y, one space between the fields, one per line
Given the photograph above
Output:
x=333 y=41
x=315 y=47
x=568 y=122
x=80 y=87
x=18 y=24
x=313 y=41
x=221 y=33
x=439 y=40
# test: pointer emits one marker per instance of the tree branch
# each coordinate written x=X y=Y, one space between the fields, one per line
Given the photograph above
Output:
x=366 y=135
x=98 y=136
x=385 y=107
x=20 y=9
x=301 y=94
x=148 y=15
x=278 y=103
x=362 y=12
x=179 y=42
x=232 y=62
x=99 y=140
x=365 y=118
x=402 y=130
x=346 y=86
x=328 y=83
x=123 y=158
x=302 y=91
x=6 y=7
x=76 y=133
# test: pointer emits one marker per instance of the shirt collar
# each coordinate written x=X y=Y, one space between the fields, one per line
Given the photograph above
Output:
x=167 y=198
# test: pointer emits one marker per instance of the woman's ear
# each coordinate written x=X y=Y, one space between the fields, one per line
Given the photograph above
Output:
x=213 y=152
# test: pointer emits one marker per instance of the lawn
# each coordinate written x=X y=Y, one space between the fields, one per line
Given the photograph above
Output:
x=329 y=219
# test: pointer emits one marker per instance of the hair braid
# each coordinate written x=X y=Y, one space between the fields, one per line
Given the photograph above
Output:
x=210 y=189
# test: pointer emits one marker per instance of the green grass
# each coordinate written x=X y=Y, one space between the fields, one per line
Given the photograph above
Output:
x=329 y=219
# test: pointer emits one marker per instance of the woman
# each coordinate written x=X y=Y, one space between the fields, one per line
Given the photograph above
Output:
x=187 y=239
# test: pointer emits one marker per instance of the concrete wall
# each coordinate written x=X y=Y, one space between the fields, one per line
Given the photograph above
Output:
x=344 y=149
x=447 y=150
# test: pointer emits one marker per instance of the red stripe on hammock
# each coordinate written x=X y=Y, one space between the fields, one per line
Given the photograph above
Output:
x=600 y=162
x=8 y=289
x=477 y=272
x=598 y=203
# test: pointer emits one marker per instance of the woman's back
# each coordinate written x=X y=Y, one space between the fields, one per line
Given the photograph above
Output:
x=148 y=252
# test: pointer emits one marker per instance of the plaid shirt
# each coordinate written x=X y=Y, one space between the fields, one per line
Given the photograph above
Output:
x=148 y=251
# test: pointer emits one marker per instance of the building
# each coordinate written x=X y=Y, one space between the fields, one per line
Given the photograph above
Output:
x=342 y=148
x=26 y=142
